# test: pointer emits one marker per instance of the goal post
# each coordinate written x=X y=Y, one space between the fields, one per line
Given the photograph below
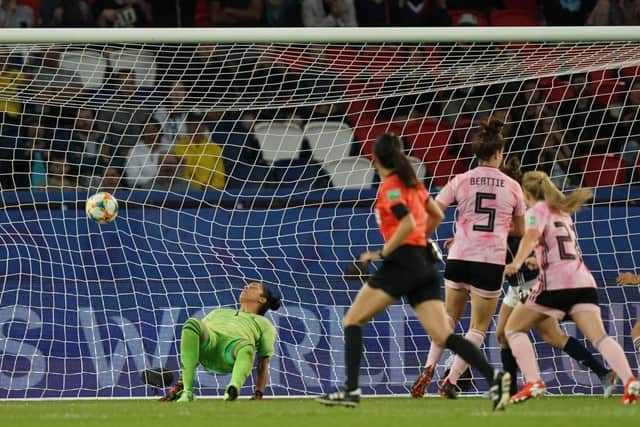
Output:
x=244 y=154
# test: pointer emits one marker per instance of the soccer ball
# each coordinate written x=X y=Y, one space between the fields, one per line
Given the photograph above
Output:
x=102 y=207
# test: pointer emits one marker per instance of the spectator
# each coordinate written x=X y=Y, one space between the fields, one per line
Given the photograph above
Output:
x=430 y=13
x=12 y=81
x=145 y=158
x=66 y=13
x=169 y=176
x=177 y=13
x=566 y=13
x=627 y=128
x=123 y=119
x=109 y=182
x=122 y=13
x=201 y=159
x=39 y=154
x=48 y=78
x=282 y=13
x=615 y=12
x=172 y=117
x=58 y=178
x=13 y=15
x=329 y=13
x=484 y=6
x=235 y=13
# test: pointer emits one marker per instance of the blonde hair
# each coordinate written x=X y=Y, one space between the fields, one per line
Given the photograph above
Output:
x=540 y=186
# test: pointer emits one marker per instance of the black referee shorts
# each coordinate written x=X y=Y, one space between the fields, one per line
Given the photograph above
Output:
x=481 y=275
x=410 y=271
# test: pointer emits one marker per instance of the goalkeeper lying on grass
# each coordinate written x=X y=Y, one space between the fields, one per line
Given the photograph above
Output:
x=226 y=341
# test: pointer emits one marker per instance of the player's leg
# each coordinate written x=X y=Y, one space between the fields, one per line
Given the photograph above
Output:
x=367 y=304
x=483 y=307
x=193 y=335
x=520 y=322
x=240 y=354
x=455 y=302
x=589 y=321
x=433 y=317
x=635 y=336
x=549 y=330
x=509 y=363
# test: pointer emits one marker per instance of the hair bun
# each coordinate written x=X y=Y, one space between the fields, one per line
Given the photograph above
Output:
x=492 y=126
x=275 y=303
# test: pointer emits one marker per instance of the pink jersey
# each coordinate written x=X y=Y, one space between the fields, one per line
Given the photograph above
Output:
x=558 y=254
x=487 y=200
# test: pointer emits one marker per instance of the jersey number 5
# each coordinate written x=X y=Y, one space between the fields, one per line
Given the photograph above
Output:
x=484 y=210
x=566 y=238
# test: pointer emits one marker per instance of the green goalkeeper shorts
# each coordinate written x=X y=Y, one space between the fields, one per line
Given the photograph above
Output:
x=216 y=352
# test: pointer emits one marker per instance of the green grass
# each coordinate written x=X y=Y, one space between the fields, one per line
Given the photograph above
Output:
x=387 y=412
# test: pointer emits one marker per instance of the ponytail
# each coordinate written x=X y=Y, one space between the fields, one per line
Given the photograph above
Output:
x=540 y=186
x=511 y=168
x=388 y=151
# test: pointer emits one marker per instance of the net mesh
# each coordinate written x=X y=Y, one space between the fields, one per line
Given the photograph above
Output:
x=234 y=162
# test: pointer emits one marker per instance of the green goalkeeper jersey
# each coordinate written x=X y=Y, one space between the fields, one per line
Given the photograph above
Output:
x=254 y=328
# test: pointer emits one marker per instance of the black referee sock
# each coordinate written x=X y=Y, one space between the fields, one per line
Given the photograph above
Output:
x=471 y=354
x=576 y=350
x=352 y=355
x=510 y=365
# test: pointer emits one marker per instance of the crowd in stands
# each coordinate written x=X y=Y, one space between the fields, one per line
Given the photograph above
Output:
x=580 y=128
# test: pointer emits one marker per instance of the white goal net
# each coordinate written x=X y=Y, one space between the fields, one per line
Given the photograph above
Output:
x=235 y=161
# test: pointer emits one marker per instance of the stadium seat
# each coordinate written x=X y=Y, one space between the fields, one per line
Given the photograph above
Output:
x=602 y=170
x=419 y=168
x=457 y=13
x=352 y=172
x=383 y=60
x=329 y=140
x=531 y=6
x=607 y=91
x=632 y=72
x=278 y=140
x=88 y=65
x=299 y=175
x=141 y=61
x=512 y=18
x=429 y=139
x=367 y=132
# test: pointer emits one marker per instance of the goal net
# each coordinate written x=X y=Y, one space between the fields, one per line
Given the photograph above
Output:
x=249 y=159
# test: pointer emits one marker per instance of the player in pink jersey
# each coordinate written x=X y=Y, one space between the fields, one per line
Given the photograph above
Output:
x=565 y=285
x=490 y=207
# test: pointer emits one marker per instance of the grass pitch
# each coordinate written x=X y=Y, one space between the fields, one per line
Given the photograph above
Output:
x=387 y=412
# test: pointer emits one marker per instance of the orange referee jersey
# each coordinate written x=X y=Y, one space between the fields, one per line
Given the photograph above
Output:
x=393 y=192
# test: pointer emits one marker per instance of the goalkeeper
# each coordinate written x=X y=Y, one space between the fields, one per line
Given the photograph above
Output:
x=226 y=341
x=627 y=278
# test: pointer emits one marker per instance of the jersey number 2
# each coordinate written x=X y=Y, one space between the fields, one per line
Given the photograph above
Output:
x=566 y=238
x=484 y=210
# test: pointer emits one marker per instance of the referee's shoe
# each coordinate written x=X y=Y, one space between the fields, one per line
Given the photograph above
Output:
x=348 y=398
x=499 y=391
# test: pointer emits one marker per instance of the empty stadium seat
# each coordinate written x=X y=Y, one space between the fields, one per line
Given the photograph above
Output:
x=367 y=132
x=88 y=65
x=512 y=18
x=602 y=170
x=352 y=172
x=531 y=6
x=328 y=140
x=419 y=168
x=278 y=140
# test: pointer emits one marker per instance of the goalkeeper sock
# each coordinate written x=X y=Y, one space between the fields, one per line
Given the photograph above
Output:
x=579 y=352
x=471 y=354
x=510 y=365
x=242 y=366
x=352 y=355
x=190 y=351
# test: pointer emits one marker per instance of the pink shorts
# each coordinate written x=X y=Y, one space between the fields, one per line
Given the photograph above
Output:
x=474 y=290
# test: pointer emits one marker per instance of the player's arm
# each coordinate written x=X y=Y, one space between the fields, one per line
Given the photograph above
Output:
x=517 y=226
x=263 y=377
x=435 y=215
x=628 y=278
x=405 y=226
x=527 y=245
